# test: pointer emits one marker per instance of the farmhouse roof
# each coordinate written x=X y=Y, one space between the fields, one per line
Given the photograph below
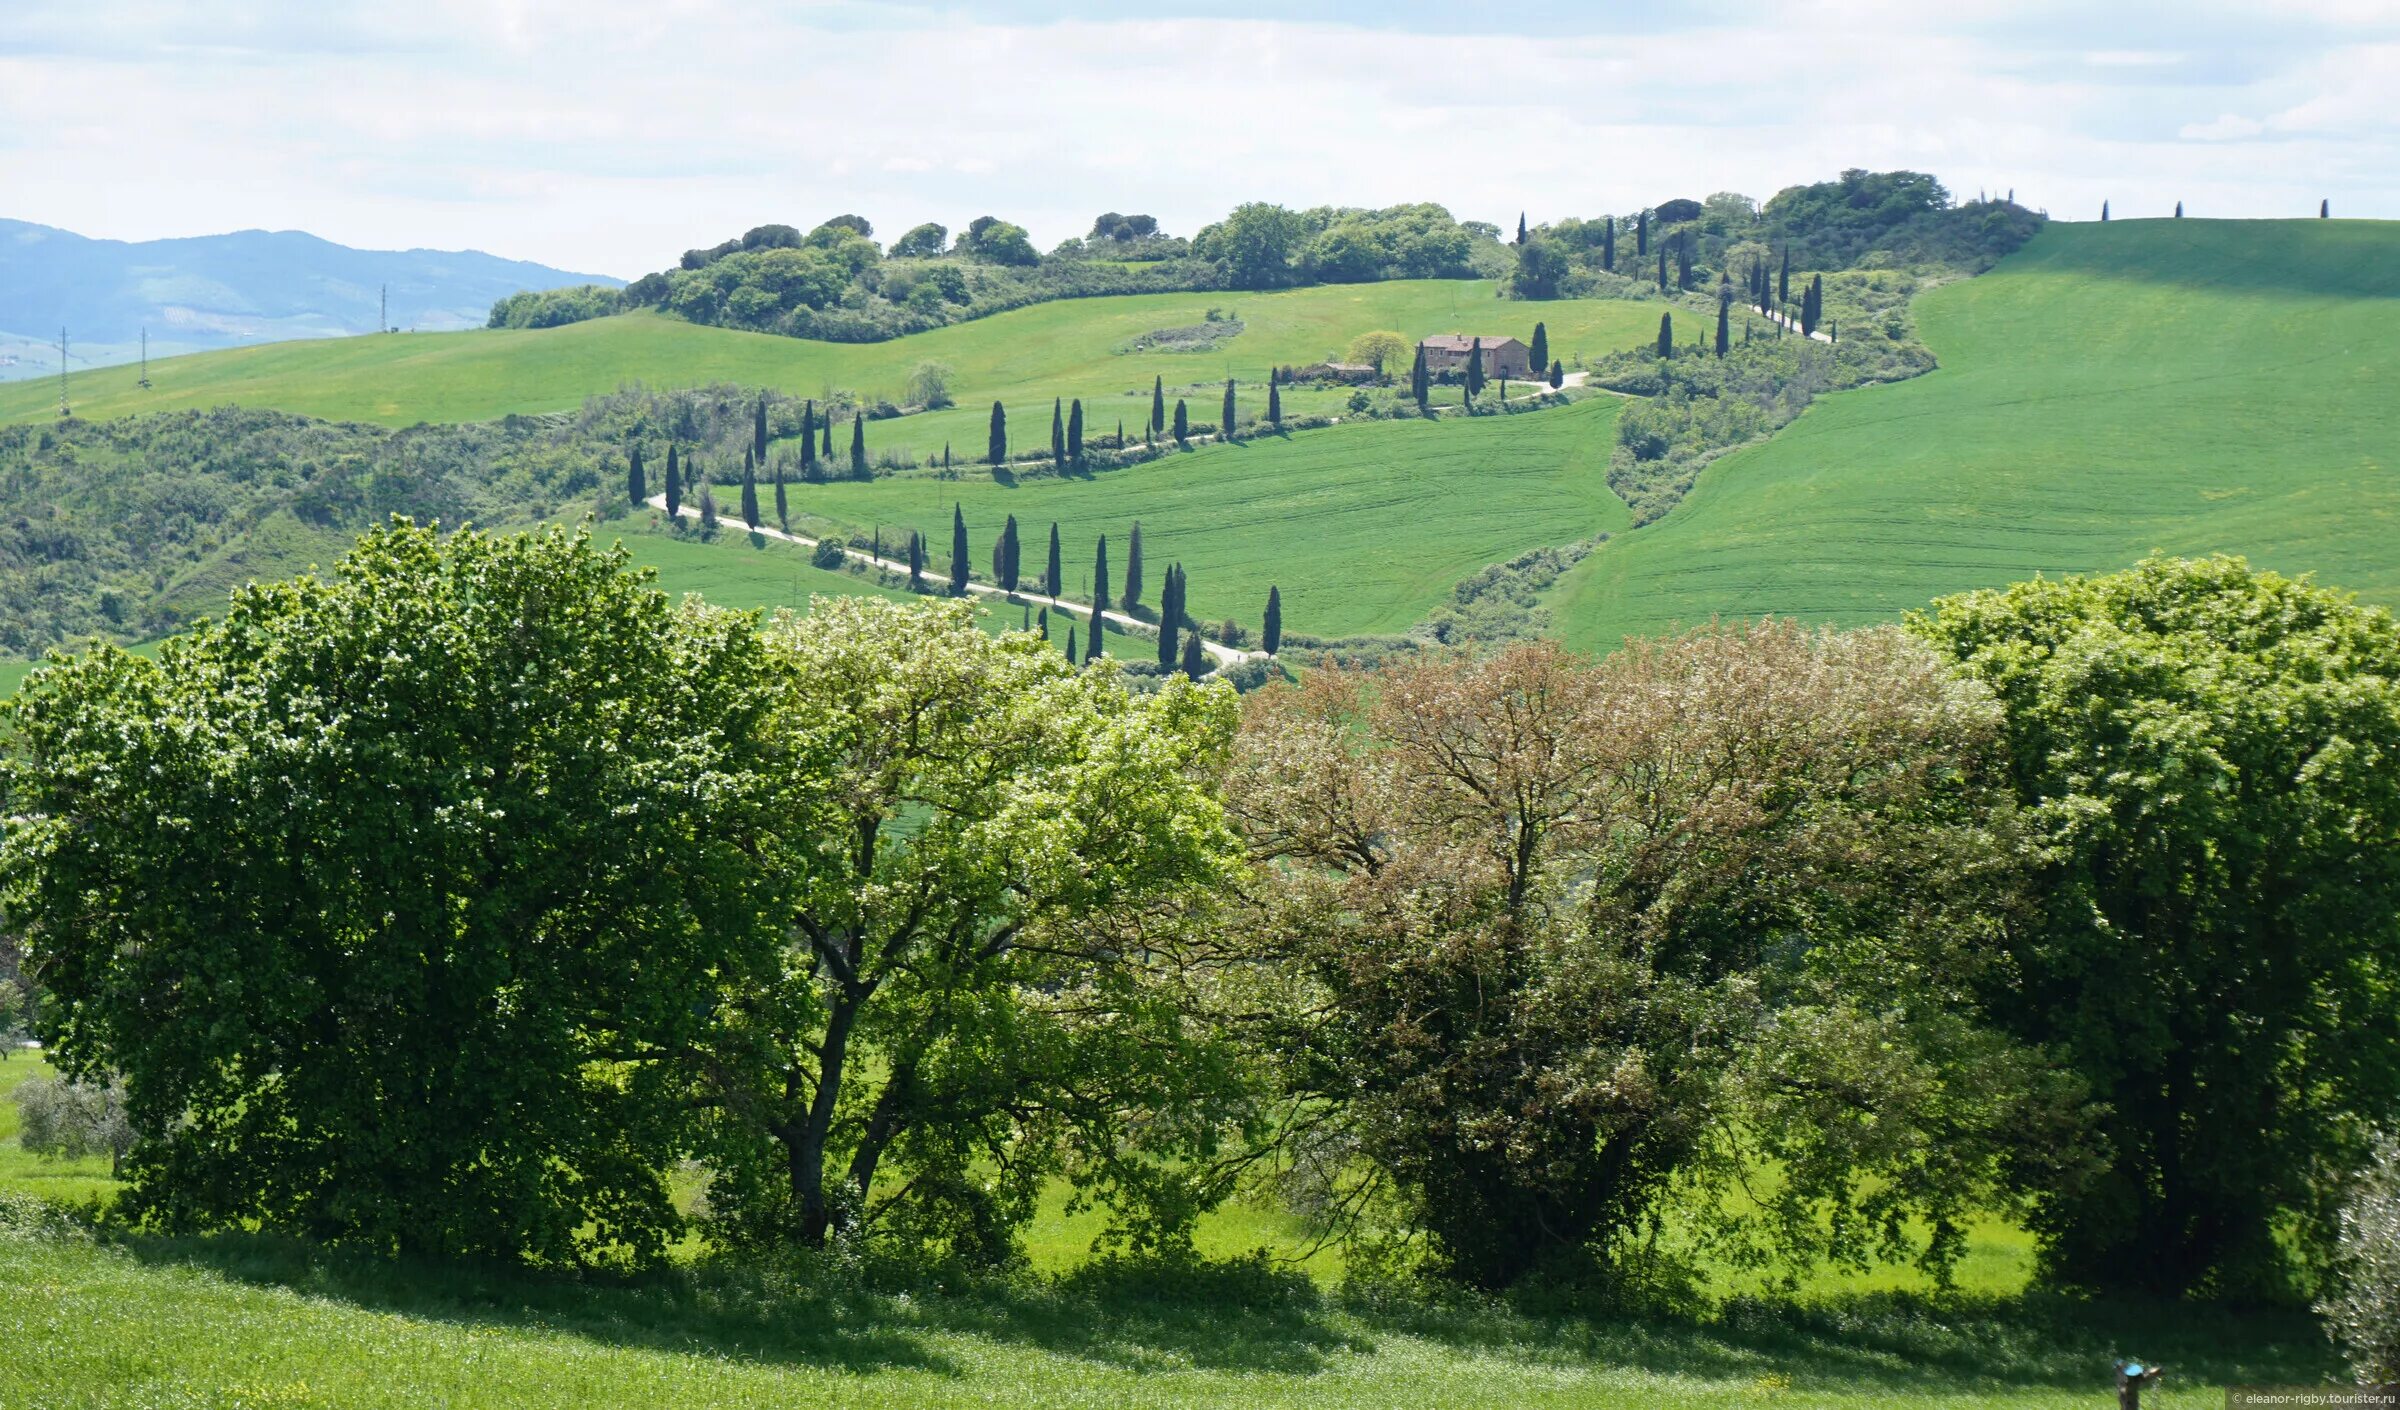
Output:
x=1465 y=342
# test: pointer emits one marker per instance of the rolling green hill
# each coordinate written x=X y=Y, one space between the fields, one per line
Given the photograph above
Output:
x=2181 y=385
x=1027 y=357
x=1364 y=527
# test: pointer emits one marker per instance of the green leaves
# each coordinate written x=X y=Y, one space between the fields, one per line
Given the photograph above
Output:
x=997 y=870
x=2205 y=753
x=388 y=892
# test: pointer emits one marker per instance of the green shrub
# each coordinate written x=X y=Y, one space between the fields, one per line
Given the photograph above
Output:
x=2364 y=1314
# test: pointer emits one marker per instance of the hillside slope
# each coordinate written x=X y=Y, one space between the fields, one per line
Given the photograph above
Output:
x=2185 y=385
x=218 y=291
x=1364 y=528
x=1033 y=354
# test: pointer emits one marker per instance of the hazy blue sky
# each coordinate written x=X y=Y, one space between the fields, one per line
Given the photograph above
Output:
x=610 y=135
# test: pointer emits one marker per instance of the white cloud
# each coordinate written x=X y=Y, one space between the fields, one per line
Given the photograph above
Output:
x=611 y=134
x=2227 y=127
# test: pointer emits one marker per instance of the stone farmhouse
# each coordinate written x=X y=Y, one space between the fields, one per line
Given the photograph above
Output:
x=1502 y=356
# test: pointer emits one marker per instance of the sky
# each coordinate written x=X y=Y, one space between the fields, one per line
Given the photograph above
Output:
x=608 y=136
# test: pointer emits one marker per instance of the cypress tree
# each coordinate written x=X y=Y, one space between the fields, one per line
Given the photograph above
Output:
x=808 y=441
x=1558 y=374
x=1183 y=424
x=916 y=561
x=1026 y=623
x=1420 y=382
x=1225 y=422
x=1812 y=306
x=1608 y=243
x=1662 y=269
x=1070 y=640
x=997 y=454
x=1008 y=554
x=858 y=449
x=1133 y=570
x=1538 y=354
x=1520 y=227
x=1666 y=335
x=1095 y=645
x=636 y=486
x=1042 y=624
x=708 y=508
x=749 y=490
x=1052 y=578
x=1724 y=319
x=1058 y=435
x=1100 y=597
x=1271 y=635
x=1274 y=405
x=1783 y=285
x=1641 y=234
x=945 y=455
x=783 y=508
x=2325 y=208
x=1120 y=434
x=1158 y=404
x=2104 y=212
x=2179 y=210
x=1475 y=370
x=758 y=432
x=674 y=484
x=1075 y=434
x=1195 y=657
x=1170 y=616
x=825 y=447
x=1683 y=260
x=958 y=551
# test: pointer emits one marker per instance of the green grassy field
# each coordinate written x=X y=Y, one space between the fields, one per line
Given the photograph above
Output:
x=1363 y=526
x=2188 y=385
x=241 y=1321
x=1025 y=357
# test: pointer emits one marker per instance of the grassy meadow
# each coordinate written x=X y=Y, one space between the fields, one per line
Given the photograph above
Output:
x=1364 y=527
x=114 y=1319
x=1025 y=357
x=2189 y=385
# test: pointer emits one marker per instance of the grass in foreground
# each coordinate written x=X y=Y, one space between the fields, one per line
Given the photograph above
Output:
x=2190 y=386
x=240 y=1321
x=1364 y=527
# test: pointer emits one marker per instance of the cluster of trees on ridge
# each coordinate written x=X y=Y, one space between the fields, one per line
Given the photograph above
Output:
x=836 y=283
x=891 y=923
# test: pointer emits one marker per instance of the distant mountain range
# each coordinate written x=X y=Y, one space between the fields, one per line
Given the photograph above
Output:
x=219 y=291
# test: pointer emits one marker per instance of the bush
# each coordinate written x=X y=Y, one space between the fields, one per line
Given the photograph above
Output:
x=70 y=1120
x=830 y=554
x=2364 y=1316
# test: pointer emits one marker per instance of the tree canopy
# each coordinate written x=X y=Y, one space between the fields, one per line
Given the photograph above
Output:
x=387 y=892
x=2206 y=754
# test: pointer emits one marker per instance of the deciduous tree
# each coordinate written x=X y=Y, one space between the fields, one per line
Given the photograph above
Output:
x=992 y=978
x=1548 y=909
x=387 y=892
x=2204 y=753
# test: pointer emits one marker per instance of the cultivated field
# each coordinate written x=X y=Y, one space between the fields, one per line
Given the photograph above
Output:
x=2111 y=389
x=1026 y=357
x=1364 y=527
